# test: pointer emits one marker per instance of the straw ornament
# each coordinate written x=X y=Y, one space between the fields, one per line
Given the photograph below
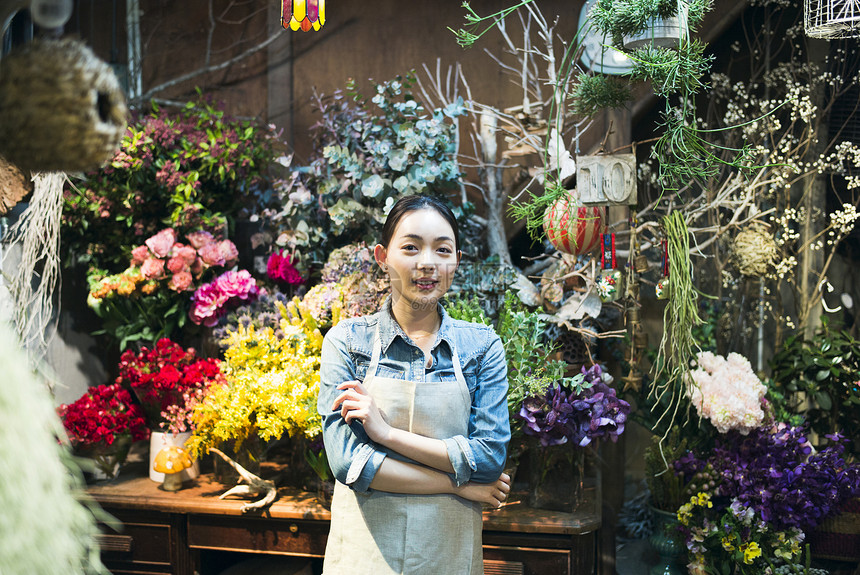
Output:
x=61 y=108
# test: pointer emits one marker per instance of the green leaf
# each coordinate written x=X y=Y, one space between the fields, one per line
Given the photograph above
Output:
x=822 y=374
x=822 y=398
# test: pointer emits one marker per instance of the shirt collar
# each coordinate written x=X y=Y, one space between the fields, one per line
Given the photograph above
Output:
x=389 y=328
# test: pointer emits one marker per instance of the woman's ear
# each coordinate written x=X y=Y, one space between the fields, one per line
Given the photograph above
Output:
x=380 y=254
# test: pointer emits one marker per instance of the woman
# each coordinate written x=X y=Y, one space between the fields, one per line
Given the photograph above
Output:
x=415 y=417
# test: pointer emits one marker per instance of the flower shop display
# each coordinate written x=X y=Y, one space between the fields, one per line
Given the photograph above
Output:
x=148 y=300
x=574 y=411
x=193 y=169
x=270 y=389
x=768 y=489
x=168 y=381
x=102 y=424
x=212 y=300
x=368 y=152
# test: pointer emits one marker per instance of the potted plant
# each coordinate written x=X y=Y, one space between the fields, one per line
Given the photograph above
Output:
x=168 y=380
x=102 y=424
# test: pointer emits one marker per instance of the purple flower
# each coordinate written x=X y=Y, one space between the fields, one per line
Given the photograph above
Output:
x=589 y=411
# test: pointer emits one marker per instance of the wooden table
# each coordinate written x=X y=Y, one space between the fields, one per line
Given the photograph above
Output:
x=172 y=533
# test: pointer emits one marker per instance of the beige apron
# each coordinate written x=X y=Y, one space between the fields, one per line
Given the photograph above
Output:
x=380 y=533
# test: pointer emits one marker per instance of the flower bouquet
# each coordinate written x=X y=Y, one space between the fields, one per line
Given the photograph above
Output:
x=169 y=382
x=270 y=389
x=766 y=491
x=573 y=412
x=165 y=379
x=102 y=424
x=145 y=301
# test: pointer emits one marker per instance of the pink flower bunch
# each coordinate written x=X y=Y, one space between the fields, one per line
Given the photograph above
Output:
x=727 y=392
x=212 y=300
x=163 y=257
x=281 y=269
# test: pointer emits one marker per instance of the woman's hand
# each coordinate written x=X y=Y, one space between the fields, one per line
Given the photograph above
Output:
x=493 y=494
x=355 y=404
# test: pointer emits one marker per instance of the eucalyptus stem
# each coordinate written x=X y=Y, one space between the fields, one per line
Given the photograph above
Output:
x=681 y=315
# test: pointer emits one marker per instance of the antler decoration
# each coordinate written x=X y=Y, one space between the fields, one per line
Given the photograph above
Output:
x=255 y=486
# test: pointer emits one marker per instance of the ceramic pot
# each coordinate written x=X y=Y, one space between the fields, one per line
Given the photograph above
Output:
x=161 y=439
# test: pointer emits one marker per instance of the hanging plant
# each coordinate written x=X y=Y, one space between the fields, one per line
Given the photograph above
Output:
x=680 y=318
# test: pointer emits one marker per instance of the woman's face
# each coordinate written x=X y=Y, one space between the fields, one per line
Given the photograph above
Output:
x=421 y=258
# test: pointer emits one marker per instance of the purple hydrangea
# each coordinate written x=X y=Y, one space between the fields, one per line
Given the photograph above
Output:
x=585 y=409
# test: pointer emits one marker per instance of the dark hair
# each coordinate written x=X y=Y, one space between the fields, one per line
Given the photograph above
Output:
x=409 y=204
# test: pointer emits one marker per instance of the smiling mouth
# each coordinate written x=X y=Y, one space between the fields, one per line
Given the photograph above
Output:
x=425 y=284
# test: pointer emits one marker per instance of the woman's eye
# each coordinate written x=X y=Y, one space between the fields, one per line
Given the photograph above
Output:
x=409 y=247
x=445 y=250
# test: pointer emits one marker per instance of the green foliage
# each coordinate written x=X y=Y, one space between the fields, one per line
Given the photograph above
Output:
x=617 y=18
x=190 y=170
x=666 y=487
x=530 y=369
x=669 y=71
x=368 y=154
x=466 y=309
x=593 y=93
x=825 y=371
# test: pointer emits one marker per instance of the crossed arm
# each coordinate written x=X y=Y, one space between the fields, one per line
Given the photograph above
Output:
x=352 y=421
x=394 y=476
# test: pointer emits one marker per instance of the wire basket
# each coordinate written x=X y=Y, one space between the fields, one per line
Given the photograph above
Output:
x=831 y=19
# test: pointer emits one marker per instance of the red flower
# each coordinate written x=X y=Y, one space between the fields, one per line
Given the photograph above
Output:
x=163 y=376
x=101 y=415
x=280 y=268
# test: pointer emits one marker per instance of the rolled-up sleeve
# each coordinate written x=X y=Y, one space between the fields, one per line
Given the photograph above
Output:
x=353 y=457
x=481 y=457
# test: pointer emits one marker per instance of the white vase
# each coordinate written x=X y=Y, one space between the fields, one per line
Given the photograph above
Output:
x=161 y=439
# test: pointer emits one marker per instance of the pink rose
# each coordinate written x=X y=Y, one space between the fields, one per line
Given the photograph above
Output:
x=228 y=251
x=152 y=268
x=177 y=264
x=180 y=281
x=211 y=255
x=161 y=242
x=139 y=255
x=187 y=253
x=273 y=266
x=199 y=239
x=238 y=284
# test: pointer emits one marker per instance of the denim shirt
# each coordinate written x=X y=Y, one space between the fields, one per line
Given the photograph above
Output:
x=346 y=350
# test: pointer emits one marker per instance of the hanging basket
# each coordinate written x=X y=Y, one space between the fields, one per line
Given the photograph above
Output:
x=831 y=19
x=61 y=108
x=659 y=33
x=572 y=227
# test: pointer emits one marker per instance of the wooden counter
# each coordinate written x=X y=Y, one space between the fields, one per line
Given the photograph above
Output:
x=167 y=532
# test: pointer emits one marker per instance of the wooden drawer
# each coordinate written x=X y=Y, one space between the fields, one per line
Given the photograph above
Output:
x=143 y=545
x=258 y=535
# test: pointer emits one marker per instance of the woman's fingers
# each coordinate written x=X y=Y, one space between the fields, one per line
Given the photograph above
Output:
x=356 y=385
x=346 y=395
